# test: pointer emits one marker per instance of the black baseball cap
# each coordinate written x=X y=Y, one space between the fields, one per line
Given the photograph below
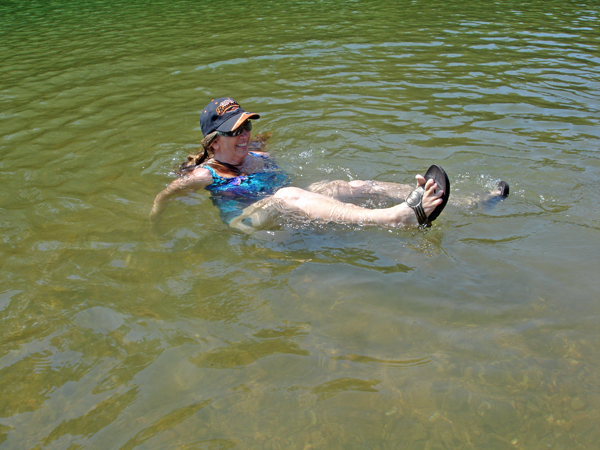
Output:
x=223 y=114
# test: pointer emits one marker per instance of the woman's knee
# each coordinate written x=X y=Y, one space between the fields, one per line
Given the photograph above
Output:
x=358 y=183
x=289 y=194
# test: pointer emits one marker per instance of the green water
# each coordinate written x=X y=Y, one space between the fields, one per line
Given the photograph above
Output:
x=479 y=333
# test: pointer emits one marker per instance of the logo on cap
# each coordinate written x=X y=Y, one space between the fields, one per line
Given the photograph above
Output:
x=226 y=106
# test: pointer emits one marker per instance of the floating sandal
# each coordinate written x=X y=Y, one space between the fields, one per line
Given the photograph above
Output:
x=503 y=189
x=414 y=199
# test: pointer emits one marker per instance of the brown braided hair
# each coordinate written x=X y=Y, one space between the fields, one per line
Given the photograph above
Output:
x=195 y=160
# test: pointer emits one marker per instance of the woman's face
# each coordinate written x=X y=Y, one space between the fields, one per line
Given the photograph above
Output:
x=233 y=148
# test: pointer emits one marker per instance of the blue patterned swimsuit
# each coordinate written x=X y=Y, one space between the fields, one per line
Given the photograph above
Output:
x=232 y=195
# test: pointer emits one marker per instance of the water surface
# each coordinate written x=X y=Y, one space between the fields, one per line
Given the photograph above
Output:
x=480 y=332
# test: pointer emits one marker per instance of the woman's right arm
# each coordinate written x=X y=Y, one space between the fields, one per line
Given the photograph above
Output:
x=198 y=179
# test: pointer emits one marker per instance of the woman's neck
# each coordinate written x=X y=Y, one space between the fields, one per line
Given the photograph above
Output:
x=234 y=162
x=231 y=161
x=235 y=169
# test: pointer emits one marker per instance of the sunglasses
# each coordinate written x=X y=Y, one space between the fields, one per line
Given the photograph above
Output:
x=247 y=126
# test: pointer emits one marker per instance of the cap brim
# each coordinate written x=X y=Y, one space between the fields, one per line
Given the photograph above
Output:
x=236 y=121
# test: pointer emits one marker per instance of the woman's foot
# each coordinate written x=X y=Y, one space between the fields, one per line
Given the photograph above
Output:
x=419 y=206
x=501 y=192
x=431 y=195
x=503 y=189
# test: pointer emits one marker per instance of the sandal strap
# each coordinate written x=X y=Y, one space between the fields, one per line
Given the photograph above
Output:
x=415 y=201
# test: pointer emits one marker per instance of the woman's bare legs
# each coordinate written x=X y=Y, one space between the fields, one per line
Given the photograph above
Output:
x=321 y=207
x=361 y=190
x=379 y=190
x=485 y=199
x=264 y=214
x=310 y=205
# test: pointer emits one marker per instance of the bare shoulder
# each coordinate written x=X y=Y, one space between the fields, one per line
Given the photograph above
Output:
x=260 y=153
x=255 y=162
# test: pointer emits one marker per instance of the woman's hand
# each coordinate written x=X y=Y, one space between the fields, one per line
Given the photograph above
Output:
x=157 y=210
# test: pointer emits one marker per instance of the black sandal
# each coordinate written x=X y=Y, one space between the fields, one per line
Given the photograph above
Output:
x=415 y=198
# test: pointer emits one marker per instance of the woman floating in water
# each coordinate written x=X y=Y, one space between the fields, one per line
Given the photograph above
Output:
x=251 y=192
